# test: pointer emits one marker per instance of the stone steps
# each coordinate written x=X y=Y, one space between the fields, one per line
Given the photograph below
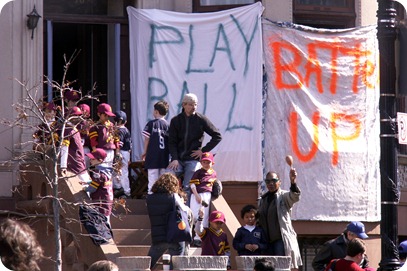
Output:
x=130 y=221
x=132 y=236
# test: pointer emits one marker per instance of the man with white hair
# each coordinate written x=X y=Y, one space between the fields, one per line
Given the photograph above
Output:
x=186 y=135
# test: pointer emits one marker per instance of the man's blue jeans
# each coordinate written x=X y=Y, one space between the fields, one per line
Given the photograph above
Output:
x=276 y=248
x=188 y=168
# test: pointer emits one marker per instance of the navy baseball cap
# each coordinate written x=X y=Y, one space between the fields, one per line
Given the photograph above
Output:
x=120 y=115
x=403 y=247
x=357 y=228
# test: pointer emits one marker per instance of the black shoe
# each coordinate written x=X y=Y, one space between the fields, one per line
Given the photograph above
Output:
x=118 y=192
x=196 y=243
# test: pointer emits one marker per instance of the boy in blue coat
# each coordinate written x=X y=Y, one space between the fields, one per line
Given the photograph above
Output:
x=249 y=239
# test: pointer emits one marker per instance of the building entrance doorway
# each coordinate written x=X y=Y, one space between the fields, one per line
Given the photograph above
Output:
x=85 y=47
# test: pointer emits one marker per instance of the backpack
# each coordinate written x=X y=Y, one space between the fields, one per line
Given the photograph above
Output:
x=216 y=189
x=333 y=263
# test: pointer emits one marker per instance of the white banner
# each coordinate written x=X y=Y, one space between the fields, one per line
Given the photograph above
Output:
x=323 y=108
x=218 y=57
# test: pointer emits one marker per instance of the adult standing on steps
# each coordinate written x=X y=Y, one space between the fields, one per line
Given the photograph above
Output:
x=336 y=248
x=159 y=204
x=186 y=135
x=275 y=217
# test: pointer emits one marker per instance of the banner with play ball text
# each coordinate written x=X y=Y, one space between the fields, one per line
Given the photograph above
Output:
x=218 y=57
x=322 y=108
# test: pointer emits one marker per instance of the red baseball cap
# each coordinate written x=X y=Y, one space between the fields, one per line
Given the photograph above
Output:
x=75 y=111
x=207 y=156
x=72 y=95
x=50 y=106
x=98 y=154
x=85 y=108
x=216 y=216
x=105 y=109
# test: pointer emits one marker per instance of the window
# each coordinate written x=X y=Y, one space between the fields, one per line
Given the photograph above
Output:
x=217 y=5
x=325 y=13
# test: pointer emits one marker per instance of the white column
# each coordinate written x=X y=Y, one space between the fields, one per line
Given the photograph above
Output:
x=31 y=58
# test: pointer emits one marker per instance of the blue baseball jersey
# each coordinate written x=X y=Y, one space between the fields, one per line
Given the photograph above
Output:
x=124 y=138
x=158 y=154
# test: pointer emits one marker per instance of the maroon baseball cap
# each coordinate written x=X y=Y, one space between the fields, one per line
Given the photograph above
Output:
x=216 y=216
x=98 y=154
x=72 y=95
x=50 y=106
x=105 y=109
x=85 y=108
x=207 y=156
x=75 y=111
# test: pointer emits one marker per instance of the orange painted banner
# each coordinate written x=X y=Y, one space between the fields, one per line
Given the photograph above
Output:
x=322 y=108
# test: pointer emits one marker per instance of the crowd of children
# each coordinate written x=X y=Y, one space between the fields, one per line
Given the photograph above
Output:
x=97 y=152
x=90 y=150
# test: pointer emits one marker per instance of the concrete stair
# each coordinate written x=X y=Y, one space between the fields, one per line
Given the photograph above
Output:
x=131 y=228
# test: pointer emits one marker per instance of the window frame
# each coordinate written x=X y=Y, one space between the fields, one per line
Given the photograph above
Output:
x=325 y=16
x=198 y=8
x=349 y=8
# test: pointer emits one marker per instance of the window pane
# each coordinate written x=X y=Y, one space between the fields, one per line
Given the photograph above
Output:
x=225 y=2
x=330 y=3
x=88 y=7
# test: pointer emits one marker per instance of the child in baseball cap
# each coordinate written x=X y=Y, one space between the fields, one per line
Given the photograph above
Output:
x=201 y=185
x=214 y=239
x=101 y=188
x=72 y=96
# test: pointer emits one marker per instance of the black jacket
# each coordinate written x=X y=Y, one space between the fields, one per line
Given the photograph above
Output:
x=334 y=249
x=187 y=133
x=159 y=206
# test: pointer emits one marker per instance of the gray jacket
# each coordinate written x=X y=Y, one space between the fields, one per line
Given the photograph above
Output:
x=284 y=202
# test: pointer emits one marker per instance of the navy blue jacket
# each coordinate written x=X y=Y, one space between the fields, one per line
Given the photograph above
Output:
x=159 y=206
x=243 y=237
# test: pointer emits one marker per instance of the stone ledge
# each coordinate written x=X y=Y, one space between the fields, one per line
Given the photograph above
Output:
x=246 y=263
x=189 y=263
x=133 y=263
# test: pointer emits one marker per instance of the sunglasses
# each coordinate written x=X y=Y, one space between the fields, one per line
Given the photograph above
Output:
x=274 y=180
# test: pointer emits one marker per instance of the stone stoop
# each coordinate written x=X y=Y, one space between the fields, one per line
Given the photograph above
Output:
x=132 y=233
x=215 y=263
x=131 y=228
x=133 y=263
x=246 y=263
